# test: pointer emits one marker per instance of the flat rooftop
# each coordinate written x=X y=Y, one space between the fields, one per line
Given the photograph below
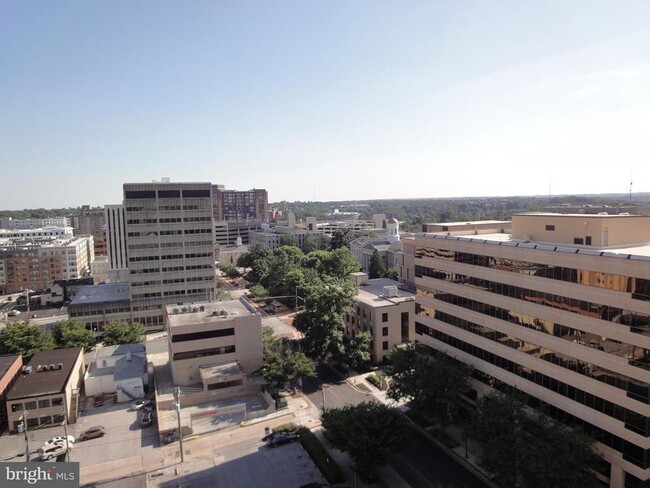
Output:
x=38 y=383
x=639 y=251
x=372 y=293
x=6 y=361
x=104 y=293
x=206 y=312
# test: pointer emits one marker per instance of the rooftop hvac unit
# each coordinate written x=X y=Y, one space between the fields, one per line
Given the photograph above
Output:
x=390 y=291
x=59 y=366
x=52 y=367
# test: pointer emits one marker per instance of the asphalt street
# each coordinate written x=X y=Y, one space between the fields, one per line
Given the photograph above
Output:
x=336 y=392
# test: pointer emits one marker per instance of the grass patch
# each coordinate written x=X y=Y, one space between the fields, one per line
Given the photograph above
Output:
x=374 y=379
x=288 y=427
x=330 y=469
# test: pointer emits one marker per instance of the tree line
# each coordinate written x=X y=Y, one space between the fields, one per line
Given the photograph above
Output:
x=27 y=339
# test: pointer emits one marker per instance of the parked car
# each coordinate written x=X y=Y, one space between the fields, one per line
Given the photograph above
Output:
x=138 y=404
x=13 y=313
x=281 y=438
x=93 y=432
x=55 y=450
x=59 y=439
x=146 y=419
x=98 y=400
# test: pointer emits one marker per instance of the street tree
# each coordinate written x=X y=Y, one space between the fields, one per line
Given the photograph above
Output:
x=524 y=449
x=431 y=383
x=23 y=338
x=356 y=350
x=368 y=432
x=377 y=268
x=72 y=333
x=321 y=320
x=286 y=365
x=121 y=332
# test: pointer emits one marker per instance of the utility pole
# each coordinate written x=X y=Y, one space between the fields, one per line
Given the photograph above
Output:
x=24 y=419
x=65 y=425
x=177 y=396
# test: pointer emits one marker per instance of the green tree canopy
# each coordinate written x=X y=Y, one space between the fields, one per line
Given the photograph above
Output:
x=120 y=332
x=23 y=338
x=321 y=321
x=342 y=238
x=288 y=366
x=432 y=383
x=368 y=432
x=72 y=333
x=377 y=268
x=356 y=350
x=257 y=260
x=528 y=450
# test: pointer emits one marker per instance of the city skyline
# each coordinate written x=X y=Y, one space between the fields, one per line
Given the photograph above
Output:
x=329 y=101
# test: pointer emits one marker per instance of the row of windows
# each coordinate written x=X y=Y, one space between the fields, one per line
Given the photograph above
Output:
x=34 y=404
x=204 y=334
x=638 y=323
x=631 y=452
x=636 y=356
x=171 y=232
x=633 y=421
x=151 y=194
x=215 y=351
x=637 y=390
x=98 y=311
x=225 y=384
x=638 y=287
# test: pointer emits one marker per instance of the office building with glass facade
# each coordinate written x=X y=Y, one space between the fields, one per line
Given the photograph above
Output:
x=557 y=307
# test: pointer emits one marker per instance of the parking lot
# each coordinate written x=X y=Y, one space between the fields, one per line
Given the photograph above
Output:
x=124 y=438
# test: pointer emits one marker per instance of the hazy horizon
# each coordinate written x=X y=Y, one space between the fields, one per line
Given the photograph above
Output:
x=323 y=101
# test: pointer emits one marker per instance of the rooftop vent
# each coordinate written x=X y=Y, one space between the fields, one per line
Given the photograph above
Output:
x=52 y=367
x=27 y=370
x=59 y=366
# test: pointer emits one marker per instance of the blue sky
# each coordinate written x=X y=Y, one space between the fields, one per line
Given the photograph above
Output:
x=328 y=99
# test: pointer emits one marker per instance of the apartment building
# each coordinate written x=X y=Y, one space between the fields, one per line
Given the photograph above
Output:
x=385 y=310
x=169 y=229
x=90 y=221
x=48 y=392
x=34 y=263
x=240 y=206
x=10 y=223
x=558 y=308
x=36 y=233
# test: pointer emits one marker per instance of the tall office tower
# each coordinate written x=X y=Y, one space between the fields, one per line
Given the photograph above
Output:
x=240 y=206
x=90 y=221
x=170 y=246
x=558 y=309
x=116 y=236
